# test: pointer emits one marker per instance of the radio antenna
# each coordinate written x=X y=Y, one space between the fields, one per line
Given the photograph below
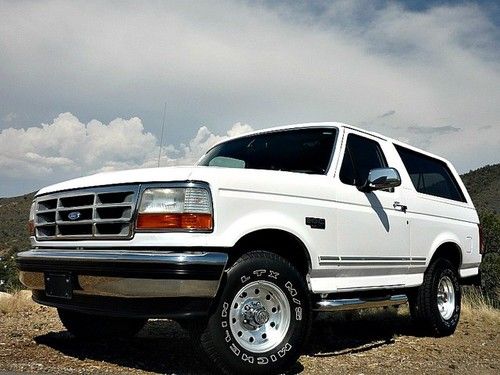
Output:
x=162 y=131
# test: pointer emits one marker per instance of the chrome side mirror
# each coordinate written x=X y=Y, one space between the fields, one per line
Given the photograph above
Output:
x=382 y=178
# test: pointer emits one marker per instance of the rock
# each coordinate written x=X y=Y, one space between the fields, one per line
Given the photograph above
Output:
x=24 y=294
x=5 y=296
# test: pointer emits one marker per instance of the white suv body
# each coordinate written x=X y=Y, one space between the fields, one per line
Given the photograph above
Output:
x=350 y=239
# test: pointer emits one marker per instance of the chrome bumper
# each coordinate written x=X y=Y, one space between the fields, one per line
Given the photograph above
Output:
x=126 y=273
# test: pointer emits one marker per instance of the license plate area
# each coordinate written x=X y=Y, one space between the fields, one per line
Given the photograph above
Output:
x=59 y=285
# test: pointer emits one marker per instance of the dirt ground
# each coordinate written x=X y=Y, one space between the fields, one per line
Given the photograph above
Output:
x=33 y=340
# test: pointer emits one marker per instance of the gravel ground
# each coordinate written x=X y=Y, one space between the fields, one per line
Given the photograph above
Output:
x=33 y=340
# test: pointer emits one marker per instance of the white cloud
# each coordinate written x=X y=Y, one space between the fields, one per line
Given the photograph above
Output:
x=9 y=117
x=68 y=148
x=188 y=154
x=373 y=64
x=463 y=146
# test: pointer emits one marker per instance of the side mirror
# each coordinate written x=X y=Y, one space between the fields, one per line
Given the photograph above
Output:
x=382 y=178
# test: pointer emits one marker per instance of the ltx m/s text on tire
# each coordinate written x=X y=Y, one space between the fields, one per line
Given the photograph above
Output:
x=263 y=317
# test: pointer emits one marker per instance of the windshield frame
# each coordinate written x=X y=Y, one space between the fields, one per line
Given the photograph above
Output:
x=282 y=130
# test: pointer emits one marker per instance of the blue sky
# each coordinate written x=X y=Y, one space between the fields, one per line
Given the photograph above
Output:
x=83 y=83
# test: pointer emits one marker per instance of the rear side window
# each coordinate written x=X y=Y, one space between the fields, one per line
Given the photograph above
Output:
x=361 y=155
x=429 y=175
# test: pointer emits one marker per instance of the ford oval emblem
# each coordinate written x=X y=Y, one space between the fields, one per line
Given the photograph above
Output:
x=75 y=215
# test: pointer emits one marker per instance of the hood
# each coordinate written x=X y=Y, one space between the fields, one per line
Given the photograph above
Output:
x=123 y=177
x=262 y=181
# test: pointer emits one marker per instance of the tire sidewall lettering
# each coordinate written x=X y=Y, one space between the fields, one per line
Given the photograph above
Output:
x=294 y=298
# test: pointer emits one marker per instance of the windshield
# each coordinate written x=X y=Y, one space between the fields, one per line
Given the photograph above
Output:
x=298 y=150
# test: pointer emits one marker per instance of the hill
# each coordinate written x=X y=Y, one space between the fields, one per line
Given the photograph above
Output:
x=14 y=214
x=483 y=185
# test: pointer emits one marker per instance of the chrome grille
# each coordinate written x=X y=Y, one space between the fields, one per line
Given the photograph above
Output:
x=96 y=213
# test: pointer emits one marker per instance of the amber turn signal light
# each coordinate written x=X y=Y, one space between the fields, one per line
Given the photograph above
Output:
x=184 y=221
x=31 y=227
x=31 y=220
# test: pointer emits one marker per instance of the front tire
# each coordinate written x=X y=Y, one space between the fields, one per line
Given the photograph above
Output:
x=436 y=304
x=89 y=326
x=263 y=317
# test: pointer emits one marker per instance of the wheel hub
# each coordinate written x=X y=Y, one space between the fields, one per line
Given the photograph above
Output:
x=446 y=298
x=254 y=314
x=443 y=296
x=259 y=316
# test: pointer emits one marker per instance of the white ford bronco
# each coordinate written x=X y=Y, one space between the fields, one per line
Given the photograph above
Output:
x=244 y=247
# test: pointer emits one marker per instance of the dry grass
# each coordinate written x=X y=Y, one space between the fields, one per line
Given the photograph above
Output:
x=475 y=303
x=18 y=301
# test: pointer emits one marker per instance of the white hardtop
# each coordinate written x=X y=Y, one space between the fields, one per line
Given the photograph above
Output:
x=338 y=125
x=184 y=173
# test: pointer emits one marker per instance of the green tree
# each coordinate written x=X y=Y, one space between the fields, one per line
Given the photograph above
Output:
x=490 y=277
x=491 y=231
x=490 y=266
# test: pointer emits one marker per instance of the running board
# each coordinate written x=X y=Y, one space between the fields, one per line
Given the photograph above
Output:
x=358 y=303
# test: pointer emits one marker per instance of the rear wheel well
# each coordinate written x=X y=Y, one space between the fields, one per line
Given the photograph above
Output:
x=276 y=241
x=449 y=251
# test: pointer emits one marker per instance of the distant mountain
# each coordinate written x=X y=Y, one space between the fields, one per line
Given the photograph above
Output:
x=14 y=214
x=483 y=185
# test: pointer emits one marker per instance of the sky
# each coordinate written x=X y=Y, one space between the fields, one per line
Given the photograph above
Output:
x=83 y=84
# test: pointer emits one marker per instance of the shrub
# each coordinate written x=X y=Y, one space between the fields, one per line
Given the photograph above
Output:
x=9 y=276
x=491 y=231
x=490 y=277
x=490 y=266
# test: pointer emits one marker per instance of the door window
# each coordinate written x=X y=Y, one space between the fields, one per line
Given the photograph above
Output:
x=361 y=155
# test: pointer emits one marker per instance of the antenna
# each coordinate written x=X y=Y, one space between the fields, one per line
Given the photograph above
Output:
x=162 y=130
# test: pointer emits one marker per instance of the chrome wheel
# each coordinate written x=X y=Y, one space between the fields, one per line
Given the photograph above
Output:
x=259 y=316
x=446 y=298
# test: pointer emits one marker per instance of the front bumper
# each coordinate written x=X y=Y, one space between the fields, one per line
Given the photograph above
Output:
x=107 y=279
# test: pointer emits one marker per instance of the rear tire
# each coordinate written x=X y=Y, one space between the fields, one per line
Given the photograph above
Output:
x=263 y=317
x=90 y=326
x=435 y=306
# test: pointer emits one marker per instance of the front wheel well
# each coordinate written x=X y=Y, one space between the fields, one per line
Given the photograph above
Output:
x=276 y=241
x=450 y=251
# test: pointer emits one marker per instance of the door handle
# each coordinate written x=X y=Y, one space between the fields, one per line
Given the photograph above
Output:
x=399 y=206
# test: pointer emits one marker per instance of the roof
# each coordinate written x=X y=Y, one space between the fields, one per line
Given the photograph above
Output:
x=337 y=125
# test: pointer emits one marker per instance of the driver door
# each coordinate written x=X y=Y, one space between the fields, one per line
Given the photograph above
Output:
x=372 y=228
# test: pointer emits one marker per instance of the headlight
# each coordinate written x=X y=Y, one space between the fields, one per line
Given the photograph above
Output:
x=31 y=220
x=175 y=208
